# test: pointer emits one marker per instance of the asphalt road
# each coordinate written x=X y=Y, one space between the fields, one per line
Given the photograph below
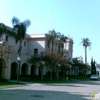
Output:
x=78 y=90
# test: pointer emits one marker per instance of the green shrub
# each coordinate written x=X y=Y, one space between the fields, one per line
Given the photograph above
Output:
x=3 y=80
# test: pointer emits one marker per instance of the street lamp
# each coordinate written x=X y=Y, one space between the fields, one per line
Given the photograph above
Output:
x=42 y=69
x=18 y=59
x=43 y=62
x=58 y=65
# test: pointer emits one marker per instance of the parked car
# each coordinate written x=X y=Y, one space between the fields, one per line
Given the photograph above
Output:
x=94 y=77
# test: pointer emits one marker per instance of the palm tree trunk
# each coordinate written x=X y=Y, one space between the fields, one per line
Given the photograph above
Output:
x=42 y=74
x=52 y=46
x=64 y=73
x=19 y=54
x=85 y=55
x=57 y=75
x=20 y=48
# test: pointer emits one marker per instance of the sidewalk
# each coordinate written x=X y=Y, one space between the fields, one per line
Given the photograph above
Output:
x=26 y=83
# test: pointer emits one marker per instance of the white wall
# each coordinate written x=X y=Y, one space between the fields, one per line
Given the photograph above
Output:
x=36 y=43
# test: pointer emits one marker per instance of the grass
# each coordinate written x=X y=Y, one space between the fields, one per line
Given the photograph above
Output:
x=50 y=81
x=87 y=78
x=13 y=84
x=9 y=84
x=58 y=81
x=54 y=80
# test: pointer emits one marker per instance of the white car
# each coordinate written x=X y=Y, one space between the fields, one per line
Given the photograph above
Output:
x=94 y=77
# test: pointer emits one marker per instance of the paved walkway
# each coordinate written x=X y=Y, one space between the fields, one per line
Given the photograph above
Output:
x=26 y=83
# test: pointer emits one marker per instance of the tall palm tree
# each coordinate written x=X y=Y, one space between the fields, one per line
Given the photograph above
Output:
x=20 y=28
x=86 y=43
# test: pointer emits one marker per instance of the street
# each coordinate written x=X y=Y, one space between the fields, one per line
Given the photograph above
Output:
x=78 y=90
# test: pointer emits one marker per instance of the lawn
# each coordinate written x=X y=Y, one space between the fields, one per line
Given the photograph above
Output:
x=9 y=84
x=48 y=81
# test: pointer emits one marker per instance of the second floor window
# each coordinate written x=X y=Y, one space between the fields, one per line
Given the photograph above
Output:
x=35 y=52
x=24 y=43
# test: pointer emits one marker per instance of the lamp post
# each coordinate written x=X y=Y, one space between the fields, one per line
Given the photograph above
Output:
x=18 y=59
x=42 y=69
x=59 y=65
x=57 y=71
x=43 y=62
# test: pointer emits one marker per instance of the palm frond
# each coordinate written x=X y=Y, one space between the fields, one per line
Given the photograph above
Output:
x=27 y=23
x=63 y=38
x=53 y=34
x=15 y=21
x=20 y=29
x=86 y=42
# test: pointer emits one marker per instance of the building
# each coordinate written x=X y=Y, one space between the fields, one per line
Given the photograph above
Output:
x=98 y=69
x=33 y=44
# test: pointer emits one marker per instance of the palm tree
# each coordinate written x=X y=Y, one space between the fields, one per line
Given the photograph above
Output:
x=56 y=35
x=51 y=37
x=62 y=40
x=86 y=43
x=20 y=29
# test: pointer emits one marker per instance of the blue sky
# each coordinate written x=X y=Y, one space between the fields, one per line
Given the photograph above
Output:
x=76 y=18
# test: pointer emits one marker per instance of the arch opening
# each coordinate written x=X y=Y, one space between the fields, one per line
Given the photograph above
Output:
x=14 y=67
x=2 y=68
x=24 y=70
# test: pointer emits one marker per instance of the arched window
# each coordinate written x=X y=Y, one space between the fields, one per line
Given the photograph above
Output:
x=7 y=38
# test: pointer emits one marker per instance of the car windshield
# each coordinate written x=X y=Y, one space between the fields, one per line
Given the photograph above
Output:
x=94 y=76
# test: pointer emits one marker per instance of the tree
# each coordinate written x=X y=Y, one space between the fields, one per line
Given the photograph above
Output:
x=56 y=62
x=49 y=61
x=64 y=67
x=86 y=43
x=52 y=61
x=62 y=40
x=6 y=30
x=80 y=66
x=93 y=67
x=51 y=37
x=38 y=61
x=20 y=29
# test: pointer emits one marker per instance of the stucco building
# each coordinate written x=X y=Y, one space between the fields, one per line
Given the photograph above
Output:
x=33 y=44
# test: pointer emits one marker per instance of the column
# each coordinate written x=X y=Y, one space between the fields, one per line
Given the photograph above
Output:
x=36 y=71
x=29 y=70
x=8 y=69
x=20 y=68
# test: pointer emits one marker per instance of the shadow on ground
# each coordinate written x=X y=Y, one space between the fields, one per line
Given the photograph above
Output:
x=20 y=94
x=75 y=83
